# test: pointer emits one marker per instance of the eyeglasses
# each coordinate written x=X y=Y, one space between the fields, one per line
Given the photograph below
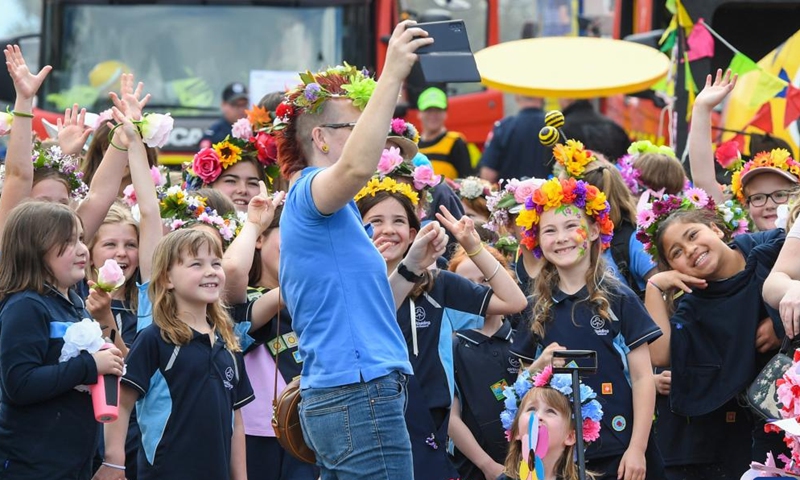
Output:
x=779 y=197
x=337 y=126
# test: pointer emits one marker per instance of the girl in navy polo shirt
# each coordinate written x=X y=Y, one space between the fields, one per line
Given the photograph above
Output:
x=185 y=372
x=432 y=312
x=580 y=306
x=47 y=425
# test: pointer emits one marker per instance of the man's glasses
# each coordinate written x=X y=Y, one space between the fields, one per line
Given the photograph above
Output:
x=779 y=197
x=337 y=126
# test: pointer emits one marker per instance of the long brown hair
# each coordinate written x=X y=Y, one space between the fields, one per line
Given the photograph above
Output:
x=599 y=284
x=169 y=252
x=657 y=171
x=118 y=214
x=33 y=229
x=607 y=178
x=566 y=469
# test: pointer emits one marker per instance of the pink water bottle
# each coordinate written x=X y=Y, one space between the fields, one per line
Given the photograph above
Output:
x=105 y=395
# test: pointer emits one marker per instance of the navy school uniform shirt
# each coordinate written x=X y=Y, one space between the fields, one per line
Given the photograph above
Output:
x=576 y=326
x=483 y=367
x=47 y=427
x=187 y=396
x=714 y=330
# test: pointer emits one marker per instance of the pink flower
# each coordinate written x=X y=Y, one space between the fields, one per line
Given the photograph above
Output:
x=158 y=179
x=102 y=118
x=591 y=430
x=206 y=165
x=398 y=126
x=155 y=129
x=242 y=129
x=6 y=119
x=742 y=228
x=543 y=378
x=110 y=276
x=424 y=177
x=697 y=196
x=524 y=190
x=129 y=196
x=646 y=217
x=176 y=224
x=390 y=159
x=728 y=153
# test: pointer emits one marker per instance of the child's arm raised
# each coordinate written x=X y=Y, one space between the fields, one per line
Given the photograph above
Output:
x=105 y=184
x=238 y=258
x=150 y=231
x=336 y=185
x=72 y=131
x=633 y=466
x=429 y=245
x=467 y=444
x=701 y=158
x=19 y=168
x=114 y=434
x=782 y=286
x=507 y=297
x=238 y=459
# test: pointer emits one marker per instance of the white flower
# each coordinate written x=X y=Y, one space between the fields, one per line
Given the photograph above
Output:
x=83 y=335
x=6 y=119
x=155 y=129
x=242 y=129
x=783 y=216
x=471 y=188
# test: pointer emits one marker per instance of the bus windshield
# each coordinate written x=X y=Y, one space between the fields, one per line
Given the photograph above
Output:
x=187 y=54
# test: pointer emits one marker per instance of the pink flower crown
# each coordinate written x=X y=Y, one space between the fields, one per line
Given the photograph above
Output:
x=555 y=193
x=509 y=200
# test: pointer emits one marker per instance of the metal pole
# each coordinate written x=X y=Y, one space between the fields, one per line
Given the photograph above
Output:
x=576 y=410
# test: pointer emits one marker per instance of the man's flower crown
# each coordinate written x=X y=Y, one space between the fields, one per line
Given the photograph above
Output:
x=776 y=158
x=343 y=81
x=591 y=410
x=508 y=200
x=555 y=193
x=182 y=209
x=390 y=185
x=67 y=165
x=573 y=157
x=652 y=215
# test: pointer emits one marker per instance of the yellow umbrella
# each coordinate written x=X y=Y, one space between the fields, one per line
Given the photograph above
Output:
x=571 y=67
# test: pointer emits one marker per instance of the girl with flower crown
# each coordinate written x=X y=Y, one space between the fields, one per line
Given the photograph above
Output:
x=579 y=306
x=49 y=347
x=439 y=304
x=716 y=335
x=651 y=171
x=544 y=419
x=768 y=180
x=52 y=175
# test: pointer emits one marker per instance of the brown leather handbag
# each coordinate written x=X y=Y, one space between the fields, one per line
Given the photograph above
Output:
x=286 y=415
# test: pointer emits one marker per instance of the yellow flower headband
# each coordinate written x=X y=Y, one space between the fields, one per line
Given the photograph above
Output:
x=573 y=157
x=387 y=184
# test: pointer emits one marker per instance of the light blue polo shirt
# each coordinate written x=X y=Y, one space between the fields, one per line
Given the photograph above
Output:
x=336 y=289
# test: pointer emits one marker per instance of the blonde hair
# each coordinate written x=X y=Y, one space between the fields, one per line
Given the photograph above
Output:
x=607 y=178
x=566 y=469
x=794 y=211
x=657 y=171
x=118 y=214
x=598 y=283
x=168 y=253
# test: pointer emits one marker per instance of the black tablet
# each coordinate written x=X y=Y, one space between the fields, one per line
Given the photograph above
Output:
x=449 y=58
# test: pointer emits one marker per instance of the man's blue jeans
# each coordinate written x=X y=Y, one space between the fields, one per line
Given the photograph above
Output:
x=359 y=431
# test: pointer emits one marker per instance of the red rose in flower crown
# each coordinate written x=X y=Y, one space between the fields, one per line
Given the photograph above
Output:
x=267 y=148
x=729 y=154
x=207 y=165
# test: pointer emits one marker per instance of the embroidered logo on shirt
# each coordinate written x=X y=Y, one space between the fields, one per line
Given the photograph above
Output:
x=607 y=389
x=514 y=368
x=497 y=390
x=228 y=378
x=419 y=317
x=619 y=423
x=597 y=323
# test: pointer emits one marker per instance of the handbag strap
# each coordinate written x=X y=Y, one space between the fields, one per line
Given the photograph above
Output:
x=277 y=357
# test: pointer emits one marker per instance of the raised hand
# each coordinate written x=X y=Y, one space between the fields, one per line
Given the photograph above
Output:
x=126 y=132
x=400 y=55
x=128 y=100
x=261 y=209
x=430 y=244
x=714 y=93
x=463 y=229
x=26 y=83
x=72 y=133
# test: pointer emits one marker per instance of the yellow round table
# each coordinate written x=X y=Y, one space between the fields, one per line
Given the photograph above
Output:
x=571 y=67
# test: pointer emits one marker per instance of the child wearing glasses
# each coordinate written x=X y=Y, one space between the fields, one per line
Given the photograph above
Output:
x=768 y=180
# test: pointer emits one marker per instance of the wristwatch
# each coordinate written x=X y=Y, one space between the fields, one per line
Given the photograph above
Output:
x=408 y=274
